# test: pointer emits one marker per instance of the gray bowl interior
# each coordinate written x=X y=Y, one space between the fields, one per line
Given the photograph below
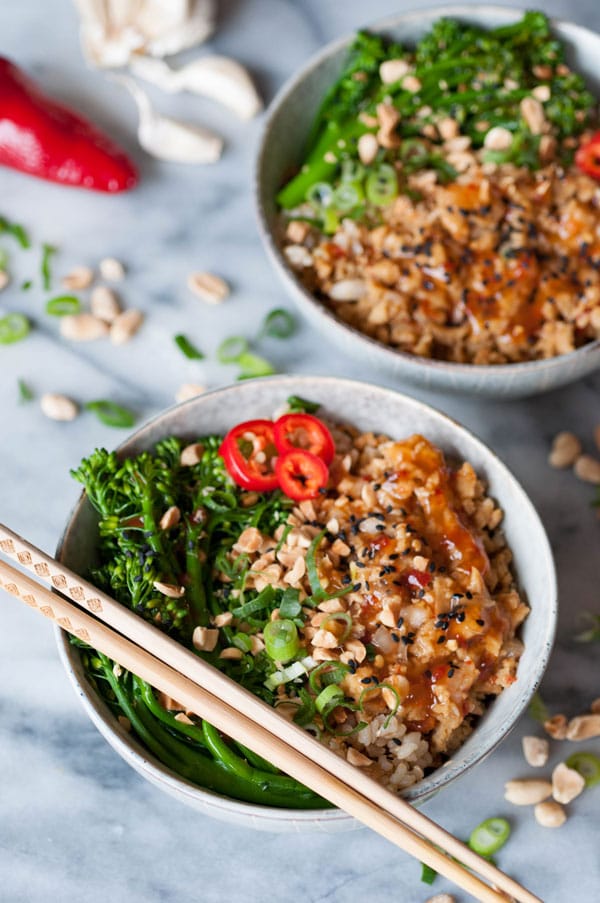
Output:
x=370 y=408
x=281 y=153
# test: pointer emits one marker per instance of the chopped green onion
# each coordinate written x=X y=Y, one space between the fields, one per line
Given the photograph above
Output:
x=319 y=594
x=340 y=616
x=296 y=669
x=490 y=836
x=25 y=393
x=320 y=194
x=187 y=348
x=63 y=305
x=262 y=601
x=281 y=640
x=111 y=414
x=298 y=405
x=230 y=350
x=588 y=766
x=538 y=710
x=331 y=221
x=428 y=875
x=252 y=365
x=327 y=673
x=367 y=690
x=278 y=324
x=327 y=696
x=16 y=231
x=289 y=606
x=353 y=171
x=13 y=328
x=242 y=641
x=347 y=196
x=26 y=285
x=47 y=252
x=382 y=185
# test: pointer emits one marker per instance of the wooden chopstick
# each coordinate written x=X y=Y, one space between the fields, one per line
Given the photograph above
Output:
x=184 y=661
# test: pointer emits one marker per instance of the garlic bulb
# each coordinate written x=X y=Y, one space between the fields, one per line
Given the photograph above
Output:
x=113 y=30
x=170 y=139
x=218 y=77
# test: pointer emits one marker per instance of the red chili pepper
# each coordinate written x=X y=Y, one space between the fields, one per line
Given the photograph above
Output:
x=301 y=474
x=587 y=157
x=248 y=450
x=305 y=432
x=42 y=137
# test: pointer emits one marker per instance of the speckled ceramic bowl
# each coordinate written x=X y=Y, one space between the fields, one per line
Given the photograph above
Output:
x=369 y=408
x=281 y=150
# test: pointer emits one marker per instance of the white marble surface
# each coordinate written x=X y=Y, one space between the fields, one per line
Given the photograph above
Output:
x=76 y=824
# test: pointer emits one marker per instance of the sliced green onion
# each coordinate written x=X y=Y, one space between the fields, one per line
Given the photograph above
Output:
x=13 y=328
x=26 y=285
x=428 y=875
x=306 y=713
x=327 y=673
x=278 y=324
x=588 y=766
x=368 y=690
x=281 y=640
x=327 y=696
x=319 y=594
x=341 y=616
x=331 y=221
x=290 y=607
x=262 y=601
x=230 y=350
x=190 y=351
x=298 y=405
x=47 y=252
x=16 y=231
x=490 y=836
x=242 y=641
x=347 y=196
x=320 y=194
x=382 y=185
x=25 y=393
x=63 y=305
x=353 y=171
x=111 y=414
x=253 y=365
x=296 y=669
x=538 y=710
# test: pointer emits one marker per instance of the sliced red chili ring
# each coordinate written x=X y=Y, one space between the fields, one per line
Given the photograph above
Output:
x=301 y=474
x=587 y=157
x=248 y=451
x=305 y=432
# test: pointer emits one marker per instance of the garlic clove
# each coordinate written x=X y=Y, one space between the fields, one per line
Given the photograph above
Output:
x=218 y=77
x=112 y=31
x=170 y=139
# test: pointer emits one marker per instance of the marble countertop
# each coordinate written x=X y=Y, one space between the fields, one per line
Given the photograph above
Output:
x=76 y=823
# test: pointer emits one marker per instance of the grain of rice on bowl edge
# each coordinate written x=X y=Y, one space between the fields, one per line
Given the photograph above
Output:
x=427 y=631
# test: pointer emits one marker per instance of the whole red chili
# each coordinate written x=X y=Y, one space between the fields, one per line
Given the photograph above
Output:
x=306 y=432
x=587 y=157
x=301 y=474
x=248 y=450
x=44 y=138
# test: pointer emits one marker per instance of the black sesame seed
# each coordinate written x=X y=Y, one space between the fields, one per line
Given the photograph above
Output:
x=395 y=638
x=469 y=595
x=441 y=639
x=460 y=616
x=432 y=566
x=480 y=621
x=356 y=587
x=400 y=622
x=393 y=556
x=366 y=680
x=346 y=579
x=451 y=672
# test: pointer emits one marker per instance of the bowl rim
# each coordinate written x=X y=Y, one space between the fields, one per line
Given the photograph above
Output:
x=317 y=309
x=144 y=762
